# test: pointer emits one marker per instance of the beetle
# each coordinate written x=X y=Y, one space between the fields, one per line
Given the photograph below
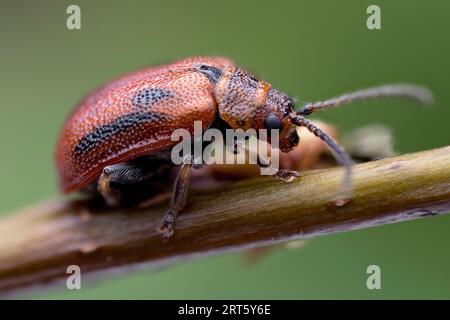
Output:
x=119 y=136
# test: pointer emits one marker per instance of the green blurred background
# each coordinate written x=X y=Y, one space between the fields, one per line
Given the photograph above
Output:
x=310 y=49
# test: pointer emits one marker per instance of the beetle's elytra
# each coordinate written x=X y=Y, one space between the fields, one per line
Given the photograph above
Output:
x=120 y=135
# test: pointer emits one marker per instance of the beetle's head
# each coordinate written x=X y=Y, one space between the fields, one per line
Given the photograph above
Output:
x=275 y=114
x=246 y=102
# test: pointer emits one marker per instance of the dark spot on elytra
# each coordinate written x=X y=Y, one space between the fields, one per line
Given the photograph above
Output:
x=148 y=97
x=142 y=102
x=212 y=73
x=254 y=79
x=122 y=125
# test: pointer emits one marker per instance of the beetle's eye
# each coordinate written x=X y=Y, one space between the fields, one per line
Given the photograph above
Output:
x=273 y=122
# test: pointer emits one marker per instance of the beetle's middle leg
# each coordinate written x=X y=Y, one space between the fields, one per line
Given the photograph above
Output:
x=178 y=199
x=284 y=174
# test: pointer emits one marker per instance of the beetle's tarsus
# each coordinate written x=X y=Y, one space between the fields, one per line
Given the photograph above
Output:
x=287 y=175
x=166 y=227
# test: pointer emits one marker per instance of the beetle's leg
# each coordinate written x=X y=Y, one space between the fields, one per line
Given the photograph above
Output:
x=287 y=175
x=177 y=202
x=284 y=174
x=121 y=174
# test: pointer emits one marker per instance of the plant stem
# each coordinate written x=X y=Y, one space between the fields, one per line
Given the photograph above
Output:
x=37 y=244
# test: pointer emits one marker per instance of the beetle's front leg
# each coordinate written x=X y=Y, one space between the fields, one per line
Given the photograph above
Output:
x=177 y=201
x=284 y=174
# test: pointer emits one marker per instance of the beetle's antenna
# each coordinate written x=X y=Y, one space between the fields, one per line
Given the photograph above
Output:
x=408 y=91
x=342 y=157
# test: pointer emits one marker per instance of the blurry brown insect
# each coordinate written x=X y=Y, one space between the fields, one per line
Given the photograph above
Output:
x=119 y=137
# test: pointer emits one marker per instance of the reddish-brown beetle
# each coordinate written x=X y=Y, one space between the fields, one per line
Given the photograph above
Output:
x=120 y=135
